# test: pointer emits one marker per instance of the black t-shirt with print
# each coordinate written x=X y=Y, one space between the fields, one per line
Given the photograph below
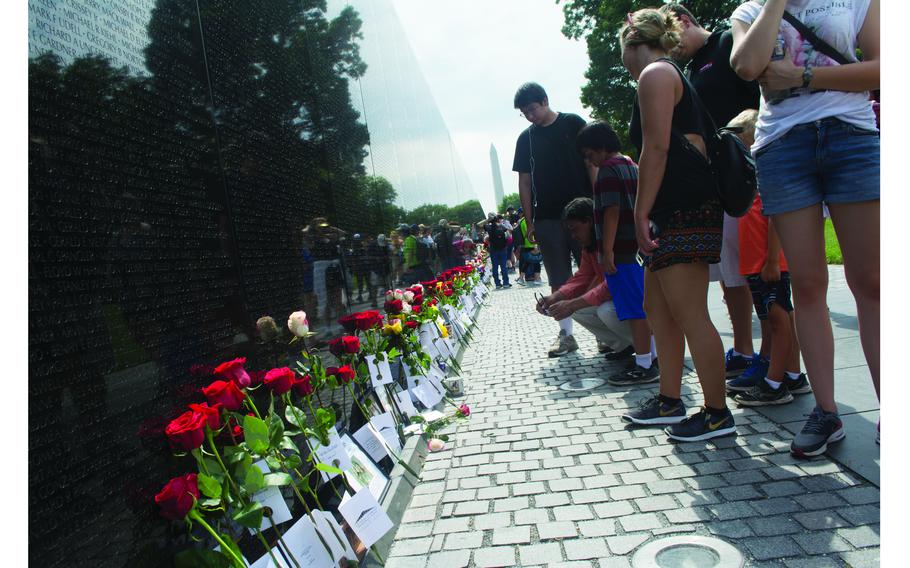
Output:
x=718 y=86
x=558 y=170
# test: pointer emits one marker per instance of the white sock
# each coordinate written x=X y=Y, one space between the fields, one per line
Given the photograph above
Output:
x=774 y=385
x=566 y=325
x=643 y=361
x=653 y=349
x=792 y=376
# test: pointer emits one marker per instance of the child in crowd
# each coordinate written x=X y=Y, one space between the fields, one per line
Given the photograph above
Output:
x=532 y=260
x=614 y=219
x=763 y=264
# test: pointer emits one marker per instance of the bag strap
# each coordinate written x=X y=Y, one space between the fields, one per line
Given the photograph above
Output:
x=817 y=42
x=706 y=115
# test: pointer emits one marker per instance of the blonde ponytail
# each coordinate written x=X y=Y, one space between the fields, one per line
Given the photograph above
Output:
x=652 y=27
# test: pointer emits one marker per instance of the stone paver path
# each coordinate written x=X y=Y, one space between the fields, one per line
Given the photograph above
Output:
x=543 y=477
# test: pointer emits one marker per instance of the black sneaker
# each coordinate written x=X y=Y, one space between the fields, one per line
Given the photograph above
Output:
x=654 y=411
x=702 y=426
x=799 y=385
x=821 y=429
x=604 y=348
x=764 y=394
x=636 y=375
x=620 y=355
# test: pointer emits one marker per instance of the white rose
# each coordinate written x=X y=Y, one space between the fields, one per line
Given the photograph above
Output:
x=419 y=285
x=409 y=297
x=435 y=444
x=299 y=324
x=389 y=294
x=399 y=295
x=405 y=307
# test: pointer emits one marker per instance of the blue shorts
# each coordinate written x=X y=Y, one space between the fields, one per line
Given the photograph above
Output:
x=826 y=161
x=627 y=287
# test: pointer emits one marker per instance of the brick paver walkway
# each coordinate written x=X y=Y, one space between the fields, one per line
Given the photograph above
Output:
x=540 y=476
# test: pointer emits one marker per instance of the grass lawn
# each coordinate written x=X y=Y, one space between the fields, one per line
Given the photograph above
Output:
x=832 y=248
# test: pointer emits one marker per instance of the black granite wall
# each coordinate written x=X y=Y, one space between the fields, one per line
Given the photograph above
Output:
x=193 y=166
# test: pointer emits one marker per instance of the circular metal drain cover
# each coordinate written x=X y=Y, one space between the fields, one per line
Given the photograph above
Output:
x=688 y=552
x=582 y=384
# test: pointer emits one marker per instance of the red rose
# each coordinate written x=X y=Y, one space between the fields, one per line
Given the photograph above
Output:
x=187 y=431
x=368 y=319
x=393 y=306
x=178 y=497
x=464 y=410
x=348 y=322
x=415 y=308
x=429 y=284
x=447 y=292
x=256 y=377
x=280 y=380
x=345 y=373
x=348 y=344
x=234 y=371
x=212 y=414
x=411 y=324
x=418 y=299
x=225 y=393
x=303 y=386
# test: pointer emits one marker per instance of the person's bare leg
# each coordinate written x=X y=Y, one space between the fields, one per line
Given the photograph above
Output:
x=780 y=342
x=793 y=362
x=802 y=237
x=685 y=288
x=857 y=227
x=671 y=344
x=765 y=348
x=641 y=336
x=739 y=306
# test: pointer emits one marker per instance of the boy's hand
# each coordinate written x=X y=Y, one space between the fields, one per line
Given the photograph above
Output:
x=543 y=303
x=607 y=263
x=562 y=310
x=770 y=272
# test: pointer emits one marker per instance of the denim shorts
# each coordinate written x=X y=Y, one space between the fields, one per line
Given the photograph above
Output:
x=826 y=161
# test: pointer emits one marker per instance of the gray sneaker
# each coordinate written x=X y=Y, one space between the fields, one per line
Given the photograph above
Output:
x=563 y=344
x=821 y=429
x=635 y=375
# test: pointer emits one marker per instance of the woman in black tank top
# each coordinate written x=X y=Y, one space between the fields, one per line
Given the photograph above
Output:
x=678 y=221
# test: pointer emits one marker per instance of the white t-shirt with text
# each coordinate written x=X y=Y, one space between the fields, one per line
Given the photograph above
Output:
x=838 y=22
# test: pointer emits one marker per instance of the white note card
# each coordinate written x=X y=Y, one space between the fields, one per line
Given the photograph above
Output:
x=366 y=517
x=380 y=372
x=333 y=454
x=371 y=443
x=271 y=497
x=334 y=535
x=384 y=424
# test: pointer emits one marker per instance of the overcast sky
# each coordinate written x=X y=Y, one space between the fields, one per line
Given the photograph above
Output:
x=474 y=55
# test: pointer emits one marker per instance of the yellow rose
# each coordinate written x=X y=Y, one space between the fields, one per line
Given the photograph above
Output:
x=394 y=328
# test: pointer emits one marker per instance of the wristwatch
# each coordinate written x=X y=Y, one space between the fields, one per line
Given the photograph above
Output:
x=807 y=76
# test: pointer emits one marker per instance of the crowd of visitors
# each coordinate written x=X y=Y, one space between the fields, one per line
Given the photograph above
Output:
x=792 y=80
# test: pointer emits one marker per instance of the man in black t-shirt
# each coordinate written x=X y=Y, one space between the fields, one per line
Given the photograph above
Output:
x=551 y=173
x=725 y=95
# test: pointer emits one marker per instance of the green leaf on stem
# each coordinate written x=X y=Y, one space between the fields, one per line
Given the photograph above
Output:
x=393 y=352
x=291 y=414
x=443 y=437
x=210 y=503
x=201 y=558
x=288 y=444
x=273 y=463
x=209 y=486
x=256 y=434
x=276 y=429
x=327 y=468
x=249 y=516
x=254 y=480
x=293 y=461
x=277 y=479
x=417 y=419
x=212 y=466
x=325 y=418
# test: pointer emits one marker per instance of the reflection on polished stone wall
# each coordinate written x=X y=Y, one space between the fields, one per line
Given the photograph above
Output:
x=193 y=165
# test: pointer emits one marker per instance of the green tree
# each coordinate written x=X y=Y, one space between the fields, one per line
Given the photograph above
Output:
x=610 y=90
x=466 y=213
x=510 y=200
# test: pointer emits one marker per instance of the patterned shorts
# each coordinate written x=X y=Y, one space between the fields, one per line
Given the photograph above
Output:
x=689 y=235
x=766 y=294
